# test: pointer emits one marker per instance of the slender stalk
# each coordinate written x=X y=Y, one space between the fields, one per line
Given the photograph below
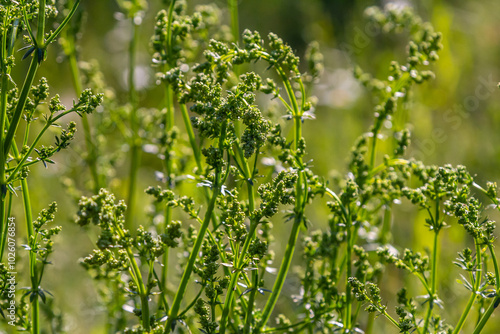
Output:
x=373 y=150
x=14 y=123
x=3 y=220
x=433 y=282
x=240 y=261
x=63 y=24
x=16 y=117
x=22 y=159
x=135 y=141
x=280 y=279
x=169 y=30
x=174 y=309
x=193 y=302
x=251 y=301
x=348 y=310
x=169 y=124
x=179 y=296
x=141 y=286
x=168 y=210
x=191 y=136
x=487 y=314
x=472 y=298
x=233 y=9
x=35 y=305
x=4 y=238
x=436 y=229
x=299 y=209
x=384 y=239
x=3 y=113
x=495 y=265
x=145 y=312
x=90 y=146
x=40 y=33
x=496 y=301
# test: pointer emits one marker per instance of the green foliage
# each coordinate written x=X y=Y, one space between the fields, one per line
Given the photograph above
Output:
x=237 y=200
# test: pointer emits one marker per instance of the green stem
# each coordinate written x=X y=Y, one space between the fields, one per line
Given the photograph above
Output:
x=3 y=114
x=193 y=302
x=473 y=295
x=16 y=118
x=23 y=159
x=348 y=310
x=3 y=240
x=3 y=220
x=135 y=141
x=280 y=279
x=77 y=85
x=487 y=314
x=373 y=151
x=391 y=319
x=240 y=261
x=495 y=265
x=169 y=31
x=299 y=209
x=179 y=296
x=233 y=9
x=41 y=24
x=496 y=301
x=137 y=277
x=145 y=312
x=436 y=227
x=174 y=309
x=63 y=24
x=169 y=124
x=163 y=293
x=432 y=294
x=251 y=301
x=35 y=306
x=73 y=66
x=384 y=239
x=191 y=136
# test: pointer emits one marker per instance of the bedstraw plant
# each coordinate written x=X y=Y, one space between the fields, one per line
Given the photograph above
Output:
x=229 y=252
x=235 y=173
x=20 y=149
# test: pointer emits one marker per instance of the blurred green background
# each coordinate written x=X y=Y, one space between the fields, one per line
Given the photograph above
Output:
x=454 y=119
